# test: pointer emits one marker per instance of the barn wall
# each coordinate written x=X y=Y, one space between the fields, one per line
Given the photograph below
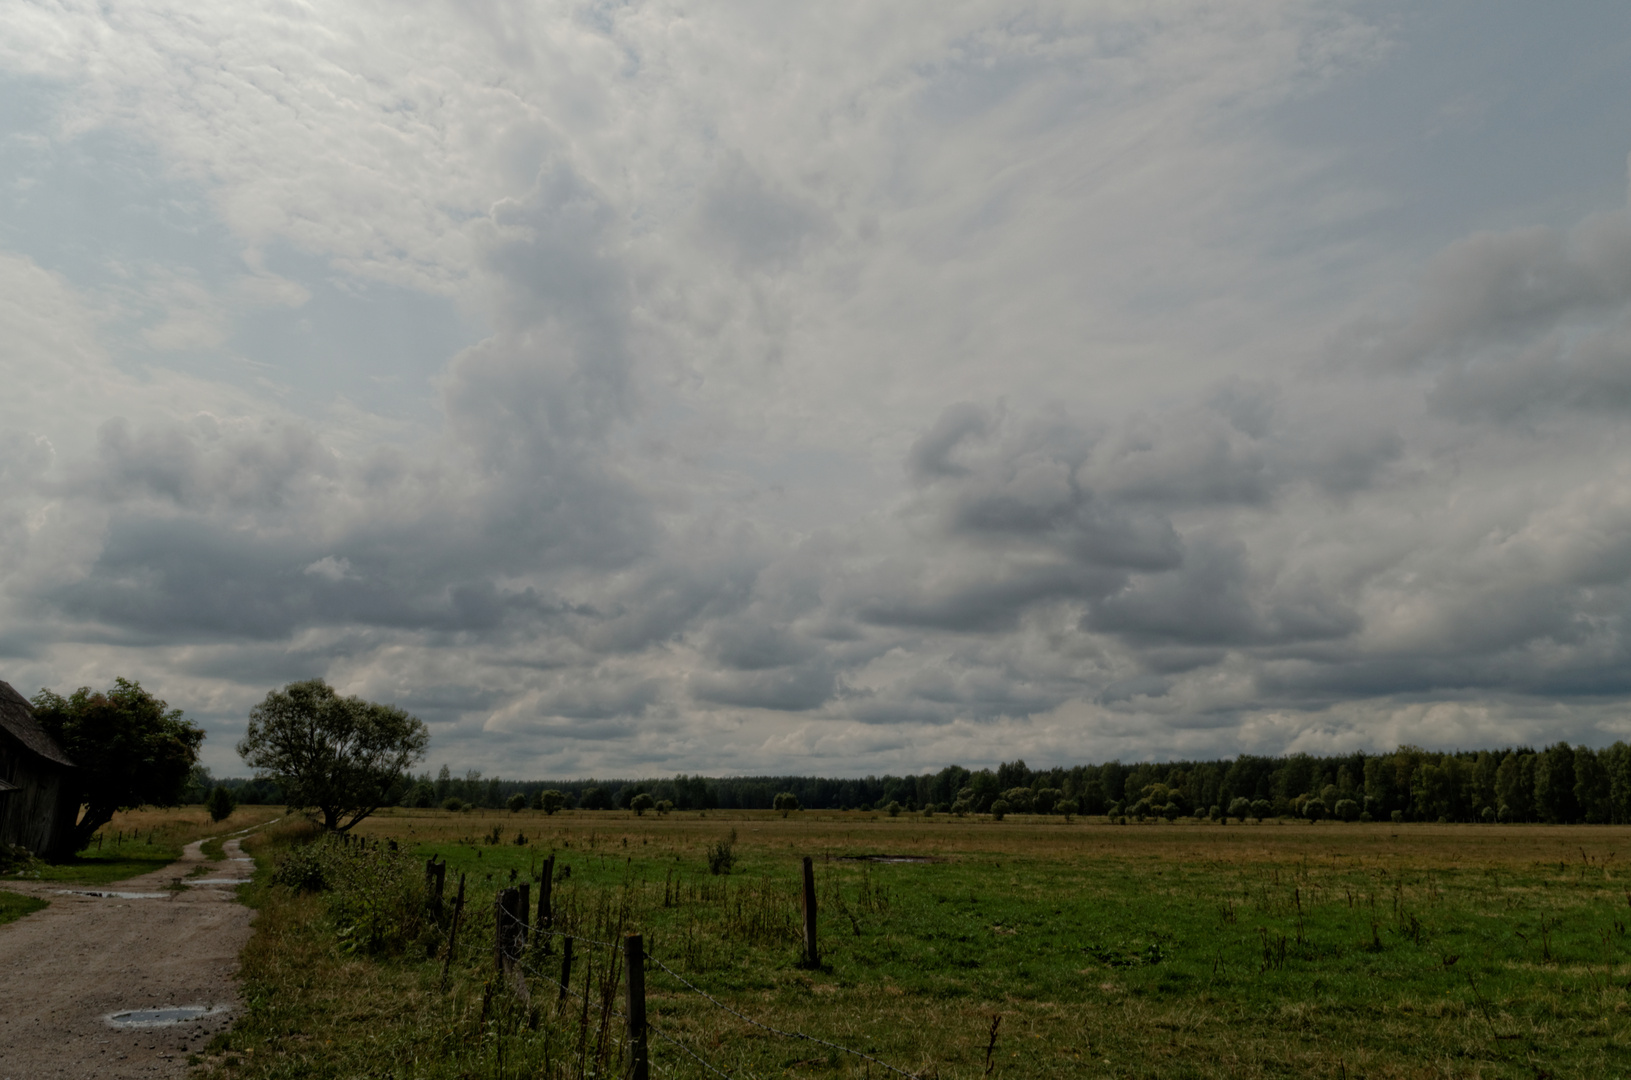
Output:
x=31 y=817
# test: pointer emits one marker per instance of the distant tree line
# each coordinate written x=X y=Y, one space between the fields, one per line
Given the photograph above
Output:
x=1561 y=784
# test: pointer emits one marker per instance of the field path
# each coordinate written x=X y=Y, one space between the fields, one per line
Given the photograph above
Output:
x=66 y=968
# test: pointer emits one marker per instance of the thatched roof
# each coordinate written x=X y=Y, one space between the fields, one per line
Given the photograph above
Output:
x=18 y=721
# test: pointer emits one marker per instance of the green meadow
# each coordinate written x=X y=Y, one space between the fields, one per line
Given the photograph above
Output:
x=1026 y=947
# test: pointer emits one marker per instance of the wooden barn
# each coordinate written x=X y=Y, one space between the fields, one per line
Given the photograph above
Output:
x=38 y=806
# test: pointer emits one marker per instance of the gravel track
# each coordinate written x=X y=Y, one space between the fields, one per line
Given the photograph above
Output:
x=64 y=969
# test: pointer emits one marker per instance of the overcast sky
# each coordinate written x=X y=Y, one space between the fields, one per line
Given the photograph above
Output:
x=640 y=388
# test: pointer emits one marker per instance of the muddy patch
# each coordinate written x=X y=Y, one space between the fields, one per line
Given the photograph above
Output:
x=114 y=894
x=891 y=858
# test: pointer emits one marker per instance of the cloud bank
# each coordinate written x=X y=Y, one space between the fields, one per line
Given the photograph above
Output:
x=652 y=389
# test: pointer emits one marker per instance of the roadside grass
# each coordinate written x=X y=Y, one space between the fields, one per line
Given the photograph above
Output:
x=14 y=906
x=1192 y=950
x=138 y=842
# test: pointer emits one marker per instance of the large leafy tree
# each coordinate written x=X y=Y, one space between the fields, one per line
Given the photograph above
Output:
x=343 y=756
x=132 y=749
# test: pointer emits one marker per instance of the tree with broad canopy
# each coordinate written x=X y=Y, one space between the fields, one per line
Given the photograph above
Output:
x=342 y=755
x=131 y=748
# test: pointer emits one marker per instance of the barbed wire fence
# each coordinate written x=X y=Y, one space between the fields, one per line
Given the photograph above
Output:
x=514 y=932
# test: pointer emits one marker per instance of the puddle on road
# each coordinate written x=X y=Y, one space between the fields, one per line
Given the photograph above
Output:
x=221 y=881
x=890 y=858
x=109 y=894
x=161 y=1017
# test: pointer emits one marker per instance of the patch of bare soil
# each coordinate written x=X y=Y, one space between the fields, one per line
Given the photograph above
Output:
x=68 y=972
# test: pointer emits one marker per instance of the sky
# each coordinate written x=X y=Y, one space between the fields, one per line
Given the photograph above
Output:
x=628 y=389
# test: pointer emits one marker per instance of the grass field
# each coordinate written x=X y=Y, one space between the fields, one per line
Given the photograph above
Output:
x=1142 y=950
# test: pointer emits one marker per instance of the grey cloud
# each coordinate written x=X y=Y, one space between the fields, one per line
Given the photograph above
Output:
x=930 y=456
x=1215 y=599
x=760 y=224
x=794 y=689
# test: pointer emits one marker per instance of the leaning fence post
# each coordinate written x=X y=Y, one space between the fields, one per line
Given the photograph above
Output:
x=453 y=931
x=635 y=961
x=811 y=956
x=566 y=966
x=503 y=927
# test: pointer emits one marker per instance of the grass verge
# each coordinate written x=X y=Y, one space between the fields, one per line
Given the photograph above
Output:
x=14 y=906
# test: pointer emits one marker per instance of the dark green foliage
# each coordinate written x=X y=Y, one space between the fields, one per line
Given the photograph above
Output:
x=516 y=803
x=786 y=802
x=595 y=798
x=220 y=804
x=343 y=756
x=131 y=748
x=641 y=803
x=999 y=809
x=722 y=855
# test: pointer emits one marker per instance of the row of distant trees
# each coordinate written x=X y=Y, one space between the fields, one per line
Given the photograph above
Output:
x=1562 y=784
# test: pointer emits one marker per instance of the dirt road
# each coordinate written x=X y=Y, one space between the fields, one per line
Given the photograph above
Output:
x=66 y=969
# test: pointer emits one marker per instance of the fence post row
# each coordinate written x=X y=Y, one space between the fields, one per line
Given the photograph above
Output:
x=634 y=954
x=811 y=956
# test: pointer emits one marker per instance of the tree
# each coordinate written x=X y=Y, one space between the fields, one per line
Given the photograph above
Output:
x=343 y=756
x=132 y=749
x=595 y=798
x=220 y=804
x=786 y=802
x=641 y=803
x=1239 y=808
x=516 y=803
x=549 y=801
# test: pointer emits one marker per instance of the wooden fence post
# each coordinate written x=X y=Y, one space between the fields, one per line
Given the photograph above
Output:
x=453 y=931
x=523 y=908
x=635 y=962
x=811 y=956
x=546 y=885
x=566 y=966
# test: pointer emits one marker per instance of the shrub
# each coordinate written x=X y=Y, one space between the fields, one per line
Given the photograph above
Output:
x=1240 y=808
x=1488 y=815
x=1346 y=810
x=1261 y=808
x=453 y=803
x=893 y=809
x=1047 y=800
x=1398 y=817
x=220 y=804
x=928 y=810
x=664 y=806
x=516 y=803
x=721 y=857
x=548 y=801
x=1140 y=809
x=1067 y=807
x=786 y=802
x=999 y=809
x=1365 y=818
x=641 y=803
x=595 y=798
x=1314 y=809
